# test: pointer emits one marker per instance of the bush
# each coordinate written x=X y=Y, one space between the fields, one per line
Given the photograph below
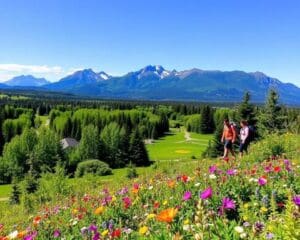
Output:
x=131 y=171
x=93 y=166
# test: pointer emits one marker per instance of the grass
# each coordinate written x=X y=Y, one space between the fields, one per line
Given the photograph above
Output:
x=174 y=146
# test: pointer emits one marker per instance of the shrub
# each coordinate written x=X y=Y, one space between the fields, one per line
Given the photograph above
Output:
x=131 y=171
x=93 y=166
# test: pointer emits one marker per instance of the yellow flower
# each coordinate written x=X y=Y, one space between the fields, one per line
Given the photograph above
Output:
x=186 y=222
x=113 y=199
x=165 y=202
x=75 y=210
x=245 y=218
x=151 y=215
x=246 y=205
x=104 y=233
x=263 y=209
x=143 y=230
x=99 y=210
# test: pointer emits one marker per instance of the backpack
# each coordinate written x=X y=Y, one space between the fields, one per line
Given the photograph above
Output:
x=234 y=127
x=251 y=134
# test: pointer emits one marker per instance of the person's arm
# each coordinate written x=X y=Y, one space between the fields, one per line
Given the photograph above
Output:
x=246 y=134
x=234 y=134
x=223 y=136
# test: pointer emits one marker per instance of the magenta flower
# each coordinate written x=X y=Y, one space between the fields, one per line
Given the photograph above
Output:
x=212 y=169
x=262 y=181
x=228 y=203
x=296 y=200
x=93 y=228
x=231 y=172
x=31 y=236
x=187 y=195
x=56 y=233
x=207 y=193
x=126 y=202
x=96 y=236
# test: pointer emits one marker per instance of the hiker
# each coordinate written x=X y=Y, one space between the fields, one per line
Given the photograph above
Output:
x=244 y=137
x=228 y=138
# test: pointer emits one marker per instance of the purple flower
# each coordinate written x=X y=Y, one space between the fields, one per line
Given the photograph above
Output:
x=31 y=236
x=212 y=169
x=231 y=172
x=269 y=236
x=296 y=200
x=123 y=191
x=228 y=203
x=96 y=236
x=258 y=227
x=93 y=228
x=207 y=193
x=262 y=181
x=187 y=195
x=84 y=230
x=56 y=233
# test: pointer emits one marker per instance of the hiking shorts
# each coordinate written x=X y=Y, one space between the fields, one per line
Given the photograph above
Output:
x=243 y=147
x=228 y=144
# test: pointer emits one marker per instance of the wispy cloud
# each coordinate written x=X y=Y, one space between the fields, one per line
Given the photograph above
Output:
x=30 y=68
x=10 y=70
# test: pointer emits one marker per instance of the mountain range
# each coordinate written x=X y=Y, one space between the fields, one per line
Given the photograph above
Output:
x=157 y=83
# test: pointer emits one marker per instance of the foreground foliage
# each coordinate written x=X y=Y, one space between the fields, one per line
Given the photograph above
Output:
x=216 y=200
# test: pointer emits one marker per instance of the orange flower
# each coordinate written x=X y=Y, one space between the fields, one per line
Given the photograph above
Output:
x=99 y=210
x=37 y=220
x=171 y=183
x=21 y=234
x=167 y=215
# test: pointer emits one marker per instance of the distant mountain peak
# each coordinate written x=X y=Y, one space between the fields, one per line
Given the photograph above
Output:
x=104 y=75
x=26 y=81
x=153 y=69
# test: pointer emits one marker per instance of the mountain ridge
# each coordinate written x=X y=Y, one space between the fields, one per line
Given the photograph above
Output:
x=153 y=82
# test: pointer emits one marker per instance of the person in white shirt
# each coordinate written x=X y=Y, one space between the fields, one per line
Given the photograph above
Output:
x=244 y=137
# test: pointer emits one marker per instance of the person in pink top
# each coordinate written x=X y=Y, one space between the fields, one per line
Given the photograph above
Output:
x=244 y=137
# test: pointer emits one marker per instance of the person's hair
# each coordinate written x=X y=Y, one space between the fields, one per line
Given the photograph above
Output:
x=244 y=122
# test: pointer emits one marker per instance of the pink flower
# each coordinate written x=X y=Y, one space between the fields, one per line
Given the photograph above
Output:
x=296 y=200
x=262 y=181
x=126 y=202
x=228 y=203
x=56 y=233
x=212 y=169
x=231 y=172
x=207 y=193
x=187 y=195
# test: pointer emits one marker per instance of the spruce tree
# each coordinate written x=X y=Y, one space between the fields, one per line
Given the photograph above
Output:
x=15 y=194
x=138 y=152
x=206 y=120
x=246 y=110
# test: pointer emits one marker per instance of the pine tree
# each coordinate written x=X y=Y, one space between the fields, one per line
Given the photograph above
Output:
x=206 y=120
x=138 y=152
x=246 y=110
x=15 y=194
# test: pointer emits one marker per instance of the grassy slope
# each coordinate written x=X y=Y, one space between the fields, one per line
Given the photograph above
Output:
x=174 y=146
x=163 y=149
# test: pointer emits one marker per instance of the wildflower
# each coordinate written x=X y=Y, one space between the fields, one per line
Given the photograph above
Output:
x=207 y=193
x=197 y=184
x=262 y=181
x=167 y=215
x=37 y=220
x=93 y=228
x=96 y=236
x=239 y=229
x=99 y=210
x=13 y=235
x=171 y=183
x=228 y=203
x=263 y=209
x=126 y=202
x=187 y=195
x=156 y=204
x=269 y=236
x=231 y=172
x=143 y=230
x=277 y=169
x=184 y=178
x=135 y=188
x=243 y=235
x=21 y=234
x=151 y=215
x=104 y=233
x=212 y=176
x=258 y=227
x=116 y=233
x=296 y=200
x=212 y=169
x=84 y=230
x=165 y=202
x=56 y=233
x=31 y=236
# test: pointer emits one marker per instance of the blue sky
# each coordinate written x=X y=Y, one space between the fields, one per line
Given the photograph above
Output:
x=52 y=38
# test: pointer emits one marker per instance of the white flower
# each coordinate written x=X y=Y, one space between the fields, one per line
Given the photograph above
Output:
x=186 y=227
x=239 y=229
x=197 y=184
x=13 y=235
x=243 y=235
x=150 y=187
x=212 y=176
